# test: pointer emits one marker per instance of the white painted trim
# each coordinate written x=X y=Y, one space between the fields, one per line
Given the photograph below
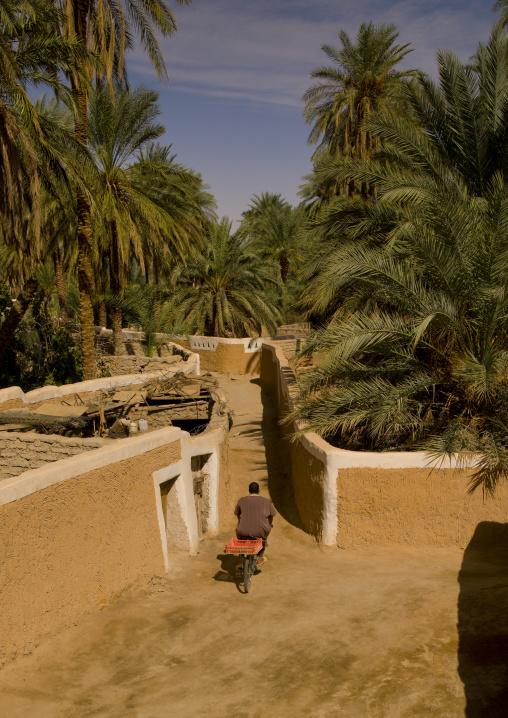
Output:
x=34 y=480
x=251 y=345
x=55 y=392
x=11 y=393
x=185 y=493
x=159 y=477
x=208 y=443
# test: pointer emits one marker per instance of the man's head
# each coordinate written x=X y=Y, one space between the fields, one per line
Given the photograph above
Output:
x=254 y=487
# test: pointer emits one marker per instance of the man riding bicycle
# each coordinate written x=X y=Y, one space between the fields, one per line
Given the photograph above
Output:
x=255 y=518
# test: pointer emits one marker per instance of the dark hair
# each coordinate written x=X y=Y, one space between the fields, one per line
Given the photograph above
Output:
x=254 y=488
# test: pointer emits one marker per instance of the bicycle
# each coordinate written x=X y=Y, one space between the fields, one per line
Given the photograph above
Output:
x=247 y=550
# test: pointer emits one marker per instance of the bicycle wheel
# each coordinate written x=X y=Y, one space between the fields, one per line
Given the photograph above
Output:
x=247 y=573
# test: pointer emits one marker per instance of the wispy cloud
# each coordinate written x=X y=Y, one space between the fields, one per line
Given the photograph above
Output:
x=243 y=66
x=263 y=51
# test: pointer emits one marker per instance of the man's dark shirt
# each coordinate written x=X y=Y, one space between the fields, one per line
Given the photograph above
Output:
x=254 y=512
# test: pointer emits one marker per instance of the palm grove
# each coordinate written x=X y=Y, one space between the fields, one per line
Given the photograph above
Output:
x=398 y=253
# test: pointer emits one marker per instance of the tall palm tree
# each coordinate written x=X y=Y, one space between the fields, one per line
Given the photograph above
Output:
x=183 y=197
x=105 y=26
x=30 y=54
x=419 y=358
x=222 y=289
x=35 y=148
x=133 y=190
x=277 y=232
x=362 y=80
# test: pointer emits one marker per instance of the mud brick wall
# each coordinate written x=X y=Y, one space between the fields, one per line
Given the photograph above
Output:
x=300 y=329
x=126 y=364
x=21 y=451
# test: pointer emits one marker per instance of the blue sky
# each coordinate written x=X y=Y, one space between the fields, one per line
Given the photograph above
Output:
x=238 y=69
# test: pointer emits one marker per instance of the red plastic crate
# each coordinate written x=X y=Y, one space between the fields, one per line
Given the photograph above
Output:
x=246 y=546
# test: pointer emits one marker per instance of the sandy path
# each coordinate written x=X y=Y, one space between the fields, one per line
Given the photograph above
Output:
x=323 y=633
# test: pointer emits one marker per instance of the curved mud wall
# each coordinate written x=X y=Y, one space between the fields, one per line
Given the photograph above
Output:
x=224 y=355
x=360 y=499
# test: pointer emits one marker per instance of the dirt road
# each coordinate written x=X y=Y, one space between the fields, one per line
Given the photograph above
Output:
x=324 y=633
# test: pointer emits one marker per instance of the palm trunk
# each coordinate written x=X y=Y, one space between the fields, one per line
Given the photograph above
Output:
x=16 y=313
x=213 y=325
x=348 y=146
x=156 y=282
x=116 y=308
x=60 y=284
x=85 y=271
x=284 y=268
x=85 y=280
x=103 y=315
x=101 y=272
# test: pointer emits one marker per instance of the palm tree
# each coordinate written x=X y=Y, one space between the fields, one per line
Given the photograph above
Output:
x=278 y=235
x=183 y=197
x=260 y=207
x=105 y=26
x=362 y=80
x=501 y=6
x=32 y=141
x=223 y=287
x=418 y=357
x=133 y=192
x=155 y=313
x=30 y=54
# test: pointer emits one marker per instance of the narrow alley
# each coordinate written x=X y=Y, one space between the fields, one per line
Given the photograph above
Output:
x=323 y=633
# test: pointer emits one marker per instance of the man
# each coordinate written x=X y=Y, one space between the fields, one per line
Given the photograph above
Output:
x=255 y=518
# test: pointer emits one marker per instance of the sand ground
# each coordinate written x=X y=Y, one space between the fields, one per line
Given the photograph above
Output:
x=324 y=633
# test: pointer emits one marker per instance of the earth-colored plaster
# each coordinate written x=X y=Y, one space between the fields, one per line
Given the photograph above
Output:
x=12 y=404
x=71 y=547
x=419 y=507
x=85 y=397
x=227 y=501
x=87 y=388
x=227 y=358
x=307 y=472
x=307 y=475
x=268 y=371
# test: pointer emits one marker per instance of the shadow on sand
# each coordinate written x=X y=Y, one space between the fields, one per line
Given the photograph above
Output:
x=228 y=571
x=277 y=461
x=483 y=622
